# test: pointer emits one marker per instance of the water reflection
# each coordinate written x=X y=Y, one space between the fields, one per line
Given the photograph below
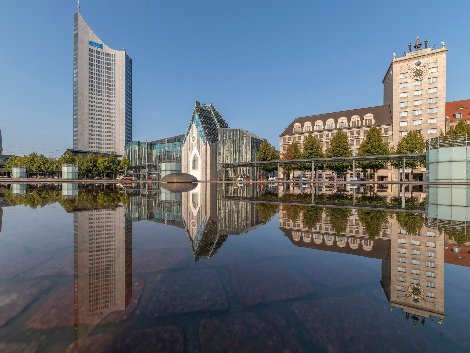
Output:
x=277 y=286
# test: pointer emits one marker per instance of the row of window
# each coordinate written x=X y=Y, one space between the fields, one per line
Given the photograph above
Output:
x=418 y=122
x=419 y=92
x=419 y=102
x=418 y=112
x=418 y=82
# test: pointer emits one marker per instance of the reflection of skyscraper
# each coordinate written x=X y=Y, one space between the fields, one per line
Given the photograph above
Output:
x=103 y=266
x=1 y=218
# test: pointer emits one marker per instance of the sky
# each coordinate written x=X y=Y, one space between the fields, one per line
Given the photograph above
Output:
x=262 y=63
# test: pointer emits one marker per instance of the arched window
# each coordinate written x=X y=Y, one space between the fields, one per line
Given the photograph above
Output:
x=330 y=124
x=318 y=125
x=195 y=163
x=297 y=128
x=342 y=123
x=369 y=119
x=308 y=126
x=355 y=121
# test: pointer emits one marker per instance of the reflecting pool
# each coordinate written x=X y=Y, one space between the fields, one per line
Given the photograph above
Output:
x=234 y=268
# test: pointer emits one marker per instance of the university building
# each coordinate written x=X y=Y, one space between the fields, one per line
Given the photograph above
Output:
x=102 y=93
x=414 y=99
x=207 y=144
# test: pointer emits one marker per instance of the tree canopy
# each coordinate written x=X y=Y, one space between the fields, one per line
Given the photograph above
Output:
x=413 y=142
x=266 y=153
x=339 y=147
x=460 y=129
x=373 y=145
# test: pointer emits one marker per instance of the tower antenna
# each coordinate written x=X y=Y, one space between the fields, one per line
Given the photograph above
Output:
x=78 y=5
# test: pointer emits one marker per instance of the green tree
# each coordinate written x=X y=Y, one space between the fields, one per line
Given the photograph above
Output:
x=339 y=147
x=311 y=216
x=266 y=211
x=293 y=212
x=67 y=158
x=373 y=145
x=373 y=221
x=102 y=165
x=266 y=153
x=339 y=218
x=124 y=165
x=292 y=152
x=412 y=223
x=413 y=142
x=113 y=164
x=461 y=129
x=312 y=149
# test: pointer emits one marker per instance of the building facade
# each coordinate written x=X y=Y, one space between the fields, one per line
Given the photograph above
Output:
x=102 y=93
x=414 y=99
x=457 y=111
x=156 y=159
x=415 y=88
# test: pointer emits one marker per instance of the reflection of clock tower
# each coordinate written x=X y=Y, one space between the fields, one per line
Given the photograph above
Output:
x=415 y=88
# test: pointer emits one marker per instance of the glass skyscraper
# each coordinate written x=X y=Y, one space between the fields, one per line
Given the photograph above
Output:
x=102 y=93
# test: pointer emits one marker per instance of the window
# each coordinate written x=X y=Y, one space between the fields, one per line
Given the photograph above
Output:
x=401 y=269
x=431 y=244
x=403 y=123
x=195 y=163
x=458 y=115
x=403 y=84
x=430 y=295
x=432 y=100
x=430 y=285
x=432 y=79
x=403 y=94
x=417 y=112
x=414 y=271
x=430 y=264
x=432 y=121
x=415 y=252
x=401 y=279
x=432 y=69
x=430 y=274
x=402 y=259
x=404 y=75
x=417 y=122
x=400 y=288
x=402 y=250
x=416 y=242
x=432 y=90
x=415 y=262
x=401 y=241
x=431 y=254
x=403 y=133
x=432 y=110
x=403 y=104
x=418 y=92
x=417 y=102
x=402 y=114
x=418 y=82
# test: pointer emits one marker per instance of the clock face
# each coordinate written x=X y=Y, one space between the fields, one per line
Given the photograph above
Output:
x=418 y=63
x=418 y=74
x=415 y=292
x=193 y=138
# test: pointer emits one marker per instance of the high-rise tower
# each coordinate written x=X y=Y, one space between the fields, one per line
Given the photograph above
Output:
x=415 y=89
x=102 y=93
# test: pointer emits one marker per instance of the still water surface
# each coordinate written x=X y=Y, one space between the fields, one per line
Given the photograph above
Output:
x=240 y=268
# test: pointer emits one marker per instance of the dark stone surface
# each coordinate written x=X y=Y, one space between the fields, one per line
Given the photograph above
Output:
x=118 y=316
x=153 y=260
x=14 y=297
x=18 y=348
x=188 y=292
x=56 y=312
x=59 y=265
x=92 y=344
x=249 y=333
x=179 y=178
x=168 y=339
x=355 y=323
x=268 y=282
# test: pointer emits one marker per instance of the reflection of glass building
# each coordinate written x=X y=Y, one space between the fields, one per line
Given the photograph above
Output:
x=156 y=158
x=103 y=266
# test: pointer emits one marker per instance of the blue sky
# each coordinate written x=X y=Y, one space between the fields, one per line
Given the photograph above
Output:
x=260 y=62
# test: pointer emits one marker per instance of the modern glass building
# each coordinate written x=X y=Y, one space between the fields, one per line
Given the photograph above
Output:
x=237 y=146
x=156 y=159
x=102 y=93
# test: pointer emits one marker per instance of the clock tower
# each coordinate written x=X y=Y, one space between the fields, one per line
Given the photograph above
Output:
x=415 y=90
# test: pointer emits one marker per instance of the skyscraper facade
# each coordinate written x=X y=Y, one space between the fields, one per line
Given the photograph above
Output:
x=102 y=93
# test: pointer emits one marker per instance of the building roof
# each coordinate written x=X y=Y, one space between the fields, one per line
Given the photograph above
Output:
x=462 y=106
x=172 y=139
x=382 y=115
x=210 y=121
